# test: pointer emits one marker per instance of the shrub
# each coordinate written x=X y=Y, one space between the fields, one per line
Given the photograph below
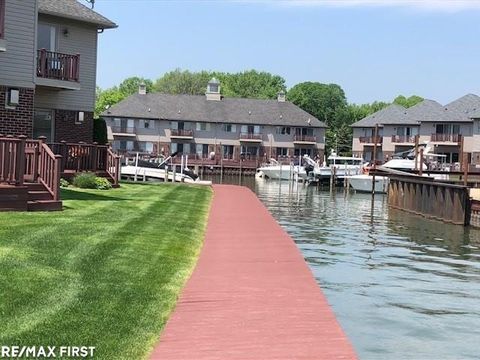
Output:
x=64 y=183
x=102 y=183
x=85 y=181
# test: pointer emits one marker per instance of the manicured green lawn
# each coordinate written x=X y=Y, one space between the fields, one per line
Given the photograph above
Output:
x=105 y=272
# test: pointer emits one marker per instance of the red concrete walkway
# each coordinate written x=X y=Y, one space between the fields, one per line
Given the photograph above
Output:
x=251 y=296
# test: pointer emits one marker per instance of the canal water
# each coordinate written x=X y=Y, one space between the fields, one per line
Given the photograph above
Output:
x=402 y=287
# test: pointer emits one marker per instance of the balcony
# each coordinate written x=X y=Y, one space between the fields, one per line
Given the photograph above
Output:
x=181 y=134
x=403 y=139
x=124 y=130
x=450 y=138
x=371 y=139
x=250 y=137
x=58 y=70
x=305 y=139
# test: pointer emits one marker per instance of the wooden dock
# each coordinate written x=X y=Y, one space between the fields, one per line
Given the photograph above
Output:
x=251 y=296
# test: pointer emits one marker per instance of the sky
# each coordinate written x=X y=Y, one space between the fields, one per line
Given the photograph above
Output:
x=374 y=49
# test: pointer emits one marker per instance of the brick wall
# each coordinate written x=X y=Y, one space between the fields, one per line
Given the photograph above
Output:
x=18 y=121
x=66 y=128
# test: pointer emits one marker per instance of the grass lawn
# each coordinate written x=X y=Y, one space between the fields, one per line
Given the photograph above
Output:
x=105 y=272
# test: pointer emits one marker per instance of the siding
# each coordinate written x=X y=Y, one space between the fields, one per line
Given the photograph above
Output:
x=161 y=133
x=17 y=62
x=82 y=39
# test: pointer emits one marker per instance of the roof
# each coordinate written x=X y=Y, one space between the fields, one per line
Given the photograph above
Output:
x=460 y=110
x=198 y=108
x=432 y=111
x=475 y=114
x=72 y=9
x=468 y=105
x=392 y=114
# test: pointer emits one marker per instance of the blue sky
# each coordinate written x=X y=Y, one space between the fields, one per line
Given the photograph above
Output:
x=373 y=49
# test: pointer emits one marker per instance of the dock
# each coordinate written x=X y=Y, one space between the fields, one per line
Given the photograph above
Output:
x=251 y=295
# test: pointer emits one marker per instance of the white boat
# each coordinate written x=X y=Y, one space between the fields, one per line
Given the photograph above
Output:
x=341 y=165
x=277 y=171
x=363 y=183
x=159 y=174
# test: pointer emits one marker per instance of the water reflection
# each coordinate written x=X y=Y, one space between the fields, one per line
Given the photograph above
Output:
x=403 y=287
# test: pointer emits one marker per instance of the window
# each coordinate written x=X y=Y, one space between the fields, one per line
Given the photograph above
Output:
x=46 y=37
x=407 y=131
x=2 y=19
x=213 y=88
x=145 y=146
x=304 y=131
x=447 y=129
x=227 y=151
x=249 y=150
x=229 y=128
x=250 y=129
x=126 y=145
x=283 y=130
x=202 y=150
x=282 y=151
x=201 y=126
x=147 y=124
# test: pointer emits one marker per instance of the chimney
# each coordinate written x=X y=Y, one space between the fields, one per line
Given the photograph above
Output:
x=281 y=96
x=213 y=90
x=142 y=89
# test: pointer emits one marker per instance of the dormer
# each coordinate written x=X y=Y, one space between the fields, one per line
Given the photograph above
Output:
x=281 y=96
x=213 y=90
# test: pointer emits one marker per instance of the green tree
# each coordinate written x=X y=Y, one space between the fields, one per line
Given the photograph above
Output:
x=107 y=98
x=251 y=84
x=183 y=82
x=320 y=100
x=130 y=85
x=407 y=102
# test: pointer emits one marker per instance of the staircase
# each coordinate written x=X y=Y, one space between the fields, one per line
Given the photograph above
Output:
x=40 y=199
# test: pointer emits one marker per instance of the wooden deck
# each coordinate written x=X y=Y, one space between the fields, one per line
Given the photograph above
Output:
x=251 y=296
x=30 y=170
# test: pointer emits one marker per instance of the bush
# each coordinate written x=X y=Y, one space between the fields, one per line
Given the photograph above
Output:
x=85 y=181
x=64 y=183
x=102 y=183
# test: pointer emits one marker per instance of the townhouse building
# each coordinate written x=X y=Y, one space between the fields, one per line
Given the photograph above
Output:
x=451 y=129
x=211 y=126
x=48 y=60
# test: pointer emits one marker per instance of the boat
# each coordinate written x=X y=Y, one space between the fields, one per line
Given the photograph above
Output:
x=274 y=170
x=403 y=162
x=147 y=170
x=363 y=183
x=340 y=165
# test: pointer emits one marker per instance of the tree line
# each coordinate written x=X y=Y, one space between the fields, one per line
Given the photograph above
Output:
x=327 y=102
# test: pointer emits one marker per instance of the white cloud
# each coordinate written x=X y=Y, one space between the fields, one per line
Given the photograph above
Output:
x=426 y=5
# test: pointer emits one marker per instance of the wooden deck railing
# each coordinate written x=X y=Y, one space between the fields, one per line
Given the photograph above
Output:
x=12 y=160
x=446 y=138
x=49 y=170
x=87 y=157
x=305 y=138
x=181 y=132
x=58 y=66
x=403 y=138
x=370 y=139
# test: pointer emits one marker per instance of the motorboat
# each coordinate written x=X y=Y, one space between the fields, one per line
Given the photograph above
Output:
x=341 y=166
x=275 y=170
x=403 y=162
x=363 y=183
x=146 y=170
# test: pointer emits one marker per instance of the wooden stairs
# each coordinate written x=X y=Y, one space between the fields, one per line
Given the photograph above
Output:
x=40 y=199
